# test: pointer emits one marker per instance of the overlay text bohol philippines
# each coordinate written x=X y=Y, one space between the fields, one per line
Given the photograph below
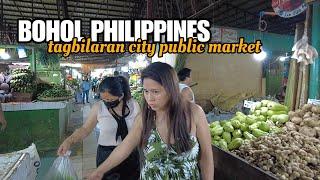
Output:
x=148 y=37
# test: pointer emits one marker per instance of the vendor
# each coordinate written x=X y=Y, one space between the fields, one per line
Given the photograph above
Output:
x=184 y=84
x=115 y=114
x=172 y=133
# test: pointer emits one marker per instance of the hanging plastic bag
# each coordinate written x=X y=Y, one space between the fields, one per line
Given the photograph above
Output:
x=62 y=169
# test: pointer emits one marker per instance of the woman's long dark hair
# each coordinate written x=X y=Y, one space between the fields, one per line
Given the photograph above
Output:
x=179 y=111
x=116 y=86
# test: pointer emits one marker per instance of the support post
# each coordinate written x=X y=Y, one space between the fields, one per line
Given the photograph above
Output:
x=314 y=83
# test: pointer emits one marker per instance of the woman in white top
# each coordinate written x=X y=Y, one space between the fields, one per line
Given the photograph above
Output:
x=115 y=114
x=185 y=81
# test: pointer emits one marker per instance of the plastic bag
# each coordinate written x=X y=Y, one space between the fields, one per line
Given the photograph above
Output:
x=62 y=169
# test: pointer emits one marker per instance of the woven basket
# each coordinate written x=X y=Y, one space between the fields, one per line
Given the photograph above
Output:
x=22 y=97
x=51 y=99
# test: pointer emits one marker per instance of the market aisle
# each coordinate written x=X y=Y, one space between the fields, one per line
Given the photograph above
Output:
x=85 y=162
x=89 y=146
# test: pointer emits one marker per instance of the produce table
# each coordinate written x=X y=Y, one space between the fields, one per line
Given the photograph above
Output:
x=229 y=167
x=42 y=123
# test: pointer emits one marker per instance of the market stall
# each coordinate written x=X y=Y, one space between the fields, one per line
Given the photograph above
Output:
x=42 y=123
x=269 y=143
x=25 y=93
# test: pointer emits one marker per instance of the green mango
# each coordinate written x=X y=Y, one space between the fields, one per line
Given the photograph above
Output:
x=248 y=136
x=216 y=131
x=214 y=142
x=216 y=138
x=236 y=124
x=226 y=136
x=214 y=124
x=237 y=133
x=251 y=119
x=264 y=127
x=228 y=127
x=235 y=143
x=258 y=133
x=254 y=126
x=244 y=127
x=223 y=144
x=264 y=111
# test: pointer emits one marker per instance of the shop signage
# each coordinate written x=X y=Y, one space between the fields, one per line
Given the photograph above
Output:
x=224 y=35
x=229 y=35
x=288 y=8
x=215 y=34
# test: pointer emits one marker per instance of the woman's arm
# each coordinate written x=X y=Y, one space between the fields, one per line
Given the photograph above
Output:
x=82 y=132
x=204 y=138
x=122 y=151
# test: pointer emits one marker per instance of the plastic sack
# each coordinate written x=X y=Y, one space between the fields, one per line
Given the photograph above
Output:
x=62 y=169
x=35 y=159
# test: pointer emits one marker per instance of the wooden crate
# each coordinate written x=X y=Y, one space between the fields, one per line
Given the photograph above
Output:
x=228 y=166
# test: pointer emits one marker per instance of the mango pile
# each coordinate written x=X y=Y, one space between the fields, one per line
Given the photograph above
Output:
x=266 y=117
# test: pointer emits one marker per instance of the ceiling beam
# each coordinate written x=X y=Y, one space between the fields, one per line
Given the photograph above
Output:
x=73 y=3
x=1 y=20
x=14 y=2
x=205 y=9
x=65 y=9
x=246 y=12
x=125 y=5
x=102 y=12
x=28 y=14
x=45 y=9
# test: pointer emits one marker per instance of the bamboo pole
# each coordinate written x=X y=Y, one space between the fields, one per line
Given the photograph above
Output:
x=291 y=91
x=305 y=67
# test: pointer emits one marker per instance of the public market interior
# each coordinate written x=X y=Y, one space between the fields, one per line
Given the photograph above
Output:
x=263 y=110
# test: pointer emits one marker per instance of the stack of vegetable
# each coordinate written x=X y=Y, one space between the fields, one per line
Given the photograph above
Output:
x=22 y=81
x=266 y=118
x=137 y=95
x=73 y=84
x=269 y=110
x=305 y=120
x=56 y=92
x=229 y=135
x=41 y=87
x=288 y=155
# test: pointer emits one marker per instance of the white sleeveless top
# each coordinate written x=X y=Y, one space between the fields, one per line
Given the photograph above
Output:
x=182 y=86
x=108 y=125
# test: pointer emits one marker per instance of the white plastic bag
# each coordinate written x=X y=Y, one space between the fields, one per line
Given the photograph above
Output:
x=62 y=169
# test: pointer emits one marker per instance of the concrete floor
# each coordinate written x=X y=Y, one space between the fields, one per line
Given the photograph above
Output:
x=85 y=162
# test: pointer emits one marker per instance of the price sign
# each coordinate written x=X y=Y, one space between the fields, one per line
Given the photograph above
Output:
x=314 y=101
x=249 y=104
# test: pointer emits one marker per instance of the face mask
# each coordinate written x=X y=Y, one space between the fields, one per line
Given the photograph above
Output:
x=112 y=104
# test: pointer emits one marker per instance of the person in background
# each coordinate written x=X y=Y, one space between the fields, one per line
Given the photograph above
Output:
x=85 y=87
x=115 y=114
x=94 y=84
x=172 y=132
x=185 y=81
x=3 y=121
